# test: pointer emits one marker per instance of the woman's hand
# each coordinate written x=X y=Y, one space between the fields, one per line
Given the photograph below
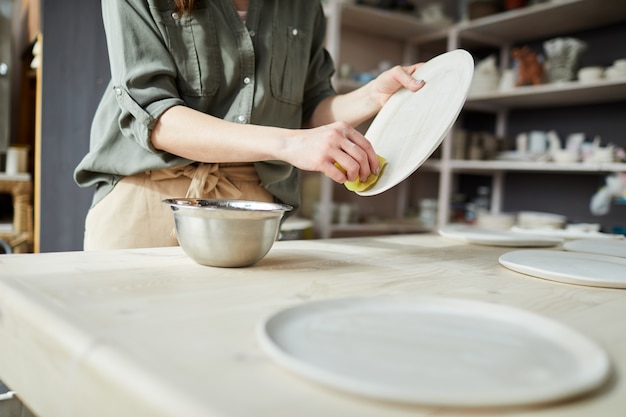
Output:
x=328 y=141
x=318 y=149
x=392 y=80
x=361 y=104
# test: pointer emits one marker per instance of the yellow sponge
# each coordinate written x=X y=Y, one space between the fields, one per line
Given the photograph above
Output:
x=357 y=185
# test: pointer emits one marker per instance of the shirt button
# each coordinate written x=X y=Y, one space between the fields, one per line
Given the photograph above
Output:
x=175 y=16
x=252 y=33
x=247 y=80
x=118 y=91
x=294 y=32
x=241 y=118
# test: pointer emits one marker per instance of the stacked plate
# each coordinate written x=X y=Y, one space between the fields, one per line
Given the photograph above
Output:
x=538 y=219
x=568 y=233
x=492 y=237
x=590 y=262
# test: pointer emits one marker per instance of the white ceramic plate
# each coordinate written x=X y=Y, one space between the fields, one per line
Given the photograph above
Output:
x=565 y=234
x=569 y=267
x=482 y=236
x=611 y=247
x=434 y=351
x=411 y=125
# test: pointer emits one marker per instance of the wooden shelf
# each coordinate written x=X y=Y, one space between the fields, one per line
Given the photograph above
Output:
x=546 y=95
x=525 y=24
x=524 y=166
x=550 y=95
x=544 y=20
x=386 y=23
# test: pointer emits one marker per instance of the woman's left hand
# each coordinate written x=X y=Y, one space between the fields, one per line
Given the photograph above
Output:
x=361 y=104
x=390 y=81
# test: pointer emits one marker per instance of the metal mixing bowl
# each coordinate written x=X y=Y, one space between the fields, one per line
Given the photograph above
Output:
x=226 y=233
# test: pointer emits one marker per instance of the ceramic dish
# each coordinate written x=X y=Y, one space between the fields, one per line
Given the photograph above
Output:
x=610 y=247
x=434 y=351
x=564 y=234
x=411 y=125
x=569 y=267
x=491 y=237
x=537 y=219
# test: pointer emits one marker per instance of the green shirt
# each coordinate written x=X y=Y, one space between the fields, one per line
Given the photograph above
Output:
x=273 y=70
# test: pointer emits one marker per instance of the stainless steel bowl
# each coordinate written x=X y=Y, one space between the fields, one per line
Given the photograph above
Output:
x=226 y=233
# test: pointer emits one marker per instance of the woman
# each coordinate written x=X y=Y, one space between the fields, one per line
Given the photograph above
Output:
x=218 y=99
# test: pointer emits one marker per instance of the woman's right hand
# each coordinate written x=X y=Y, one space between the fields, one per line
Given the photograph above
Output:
x=319 y=148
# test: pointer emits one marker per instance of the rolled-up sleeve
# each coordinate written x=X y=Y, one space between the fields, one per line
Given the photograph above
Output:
x=143 y=73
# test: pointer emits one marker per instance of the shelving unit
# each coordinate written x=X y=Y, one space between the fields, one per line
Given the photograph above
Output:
x=541 y=21
x=418 y=41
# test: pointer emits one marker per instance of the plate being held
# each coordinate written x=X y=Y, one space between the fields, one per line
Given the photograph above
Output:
x=411 y=125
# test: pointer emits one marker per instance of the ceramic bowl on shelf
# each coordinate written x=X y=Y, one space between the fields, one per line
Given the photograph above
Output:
x=620 y=65
x=590 y=74
x=602 y=154
x=617 y=70
x=563 y=156
x=226 y=233
x=496 y=221
x=614 y=73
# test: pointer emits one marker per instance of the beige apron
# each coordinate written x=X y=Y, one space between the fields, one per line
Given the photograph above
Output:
x=132 y=215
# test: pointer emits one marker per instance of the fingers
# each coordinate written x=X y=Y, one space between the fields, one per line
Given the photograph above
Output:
x=348 y=154
x=408 y=81
x=363 y=156
x=337 y=150
x=396 y=78
x=412 y=68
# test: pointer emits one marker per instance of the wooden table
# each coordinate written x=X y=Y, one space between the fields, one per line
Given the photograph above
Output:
x=150 y=333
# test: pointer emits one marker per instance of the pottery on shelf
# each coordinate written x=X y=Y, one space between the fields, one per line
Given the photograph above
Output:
x=590 y=74
x=530 y=70
x=617 y=70
x=562 y=56
x=486 y=76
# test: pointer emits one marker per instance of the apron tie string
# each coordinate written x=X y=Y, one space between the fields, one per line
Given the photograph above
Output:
x=207 y=181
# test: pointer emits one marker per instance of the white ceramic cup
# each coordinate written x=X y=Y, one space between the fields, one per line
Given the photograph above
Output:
x=16 y=160
x=537 y=142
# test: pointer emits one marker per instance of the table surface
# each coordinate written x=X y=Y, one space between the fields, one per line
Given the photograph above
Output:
x=150 y=333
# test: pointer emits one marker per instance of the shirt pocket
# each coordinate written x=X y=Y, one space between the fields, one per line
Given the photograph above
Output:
x=192 y=41
x=290 y=61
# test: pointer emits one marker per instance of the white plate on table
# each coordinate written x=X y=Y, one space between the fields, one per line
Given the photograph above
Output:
x=491 y=237
x=568 y=267
x=565 y=234
x=411 y=125
x=611 y=247
x=434 y=351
